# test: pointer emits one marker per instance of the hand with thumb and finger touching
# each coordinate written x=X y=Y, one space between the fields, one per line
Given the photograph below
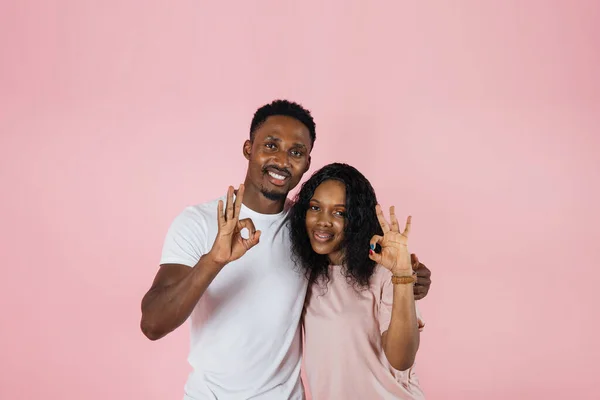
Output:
x=394 y=253
x=229 y=245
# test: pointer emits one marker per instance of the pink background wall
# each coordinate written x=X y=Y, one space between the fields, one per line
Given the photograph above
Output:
x=480 y=118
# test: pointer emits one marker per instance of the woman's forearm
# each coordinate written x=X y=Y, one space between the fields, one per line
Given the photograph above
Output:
x=401 y=340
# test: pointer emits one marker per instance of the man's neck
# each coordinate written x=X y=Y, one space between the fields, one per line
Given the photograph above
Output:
x=256 y=201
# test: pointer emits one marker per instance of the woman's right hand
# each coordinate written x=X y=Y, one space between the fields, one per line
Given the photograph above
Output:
x=229 y=244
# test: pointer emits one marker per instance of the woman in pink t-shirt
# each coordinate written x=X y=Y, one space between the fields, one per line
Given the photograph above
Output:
x=361 y=325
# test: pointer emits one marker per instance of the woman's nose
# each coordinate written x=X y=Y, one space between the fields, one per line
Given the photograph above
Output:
x=324 y=220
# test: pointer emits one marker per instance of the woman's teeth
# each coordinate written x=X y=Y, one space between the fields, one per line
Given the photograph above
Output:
x=323 y=236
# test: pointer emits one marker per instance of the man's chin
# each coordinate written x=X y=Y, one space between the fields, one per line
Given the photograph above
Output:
x=274 y=195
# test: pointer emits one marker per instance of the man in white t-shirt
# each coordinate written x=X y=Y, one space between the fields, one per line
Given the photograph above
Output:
x=244 y=298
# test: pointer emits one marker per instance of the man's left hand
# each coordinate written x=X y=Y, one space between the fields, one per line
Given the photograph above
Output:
x=421 y=287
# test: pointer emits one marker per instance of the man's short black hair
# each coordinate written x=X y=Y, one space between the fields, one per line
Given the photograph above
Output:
x=288 y=109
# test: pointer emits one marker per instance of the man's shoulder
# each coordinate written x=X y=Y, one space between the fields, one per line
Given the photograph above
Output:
x=201 y=213
x=208 y=210
x=209 y=207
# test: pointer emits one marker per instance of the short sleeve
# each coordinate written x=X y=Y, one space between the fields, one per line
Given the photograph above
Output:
x=385 y=305
x=185 y=242
x=387 y=299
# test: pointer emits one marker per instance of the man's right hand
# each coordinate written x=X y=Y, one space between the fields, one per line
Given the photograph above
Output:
x=177 y=288
x=229 y=244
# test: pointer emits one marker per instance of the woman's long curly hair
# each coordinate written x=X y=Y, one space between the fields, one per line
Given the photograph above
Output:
x=360 y=225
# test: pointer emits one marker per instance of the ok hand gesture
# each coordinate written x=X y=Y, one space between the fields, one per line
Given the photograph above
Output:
x=394 y=253
x=229 y=244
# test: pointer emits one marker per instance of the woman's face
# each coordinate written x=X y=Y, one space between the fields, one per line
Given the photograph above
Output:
x=325 y=219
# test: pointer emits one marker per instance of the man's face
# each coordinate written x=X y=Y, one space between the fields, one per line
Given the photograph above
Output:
x=278 y=156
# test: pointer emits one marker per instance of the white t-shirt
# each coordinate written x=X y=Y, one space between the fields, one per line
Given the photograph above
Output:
x=245 y=333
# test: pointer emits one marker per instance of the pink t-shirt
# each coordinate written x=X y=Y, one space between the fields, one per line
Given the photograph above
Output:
x=343 y=355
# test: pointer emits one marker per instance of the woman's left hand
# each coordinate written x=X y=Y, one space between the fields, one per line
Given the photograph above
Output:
x=394 y=253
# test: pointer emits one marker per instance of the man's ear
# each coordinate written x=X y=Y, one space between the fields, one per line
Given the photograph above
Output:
x=247 y=149
x=307 y=165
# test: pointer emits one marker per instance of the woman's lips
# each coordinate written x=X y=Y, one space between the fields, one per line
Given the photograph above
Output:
x=322 y=236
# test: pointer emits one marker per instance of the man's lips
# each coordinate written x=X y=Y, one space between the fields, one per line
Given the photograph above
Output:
x=277 y=176
x=280 y=172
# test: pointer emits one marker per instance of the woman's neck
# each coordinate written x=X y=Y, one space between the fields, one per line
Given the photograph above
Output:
x=336 y=258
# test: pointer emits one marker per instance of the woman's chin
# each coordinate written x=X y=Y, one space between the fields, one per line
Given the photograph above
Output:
x=322 y=250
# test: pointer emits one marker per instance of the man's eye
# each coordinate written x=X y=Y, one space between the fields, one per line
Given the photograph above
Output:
x=296 y=153
x=270 y=145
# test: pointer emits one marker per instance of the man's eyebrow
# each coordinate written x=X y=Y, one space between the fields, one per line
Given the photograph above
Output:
x=276 y=139
x=302 y=145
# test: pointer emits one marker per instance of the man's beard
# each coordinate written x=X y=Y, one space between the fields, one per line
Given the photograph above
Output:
x=273 y=196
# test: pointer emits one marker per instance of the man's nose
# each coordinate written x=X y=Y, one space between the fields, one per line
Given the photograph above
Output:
x=282 y=160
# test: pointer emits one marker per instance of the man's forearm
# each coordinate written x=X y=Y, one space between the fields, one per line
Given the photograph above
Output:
x=402 y=337
x=167 y=305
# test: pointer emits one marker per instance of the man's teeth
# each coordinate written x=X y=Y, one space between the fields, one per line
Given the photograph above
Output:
x=276 y=176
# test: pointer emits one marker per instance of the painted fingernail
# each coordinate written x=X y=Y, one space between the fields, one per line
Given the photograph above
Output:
x=372 y=247
x=371 y=252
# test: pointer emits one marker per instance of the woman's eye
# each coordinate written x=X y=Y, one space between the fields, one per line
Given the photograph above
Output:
x=340 y=213
x=314 y=208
